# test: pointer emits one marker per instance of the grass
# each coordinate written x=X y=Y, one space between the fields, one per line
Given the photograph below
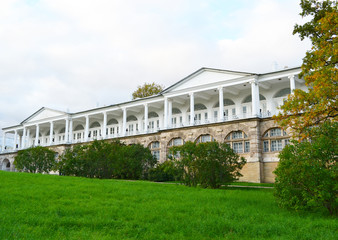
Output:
x=34 y=206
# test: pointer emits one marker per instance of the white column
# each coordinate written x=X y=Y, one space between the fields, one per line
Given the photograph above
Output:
x=292 y=83
x=86 y=129
x=124 y=121
x=67 y=131
x=255 y=98
x=19 y=141
x=146 y=118
x=165 y=122
x=192 y=109
x=23 y=139
x=221 y=104
x=70 y=140
x=51 y=129
x=15 y=139
x=170 y=112
x=104 y=126
x=28 y=137
x=37 y=135
x=3 y=141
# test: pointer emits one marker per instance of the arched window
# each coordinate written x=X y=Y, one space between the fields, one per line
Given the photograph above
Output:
x=198 y=107
x=238 y=141
x=282 y=93
x=275 y=139
x=95 y=125
x=176 y=111
x=204 y=138
x=152 y=115
x=176 y=142
x=155 y=148
x=249 y=98
x=112 y=121
x=226 y=102
x=131 y=118
x=62 y=130
x=78 y=127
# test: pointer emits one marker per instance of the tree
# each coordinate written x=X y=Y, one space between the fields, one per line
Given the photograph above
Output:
x=148 y=89
x=307 y=174
x=319 y=70
x=209 y=164
x=37 y=159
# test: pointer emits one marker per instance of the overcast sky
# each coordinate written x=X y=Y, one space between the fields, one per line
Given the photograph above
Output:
x=73 y=55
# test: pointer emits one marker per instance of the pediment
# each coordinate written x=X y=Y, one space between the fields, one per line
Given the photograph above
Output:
x=43 y=113
x=204 y=77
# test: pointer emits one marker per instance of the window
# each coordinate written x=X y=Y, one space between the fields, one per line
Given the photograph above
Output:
x=176 y=142
x=237 y=147
x=247 y=146
x=204 y=138
x=155 y=149
x=274 y=140
x=238 y=141
x=237 y=135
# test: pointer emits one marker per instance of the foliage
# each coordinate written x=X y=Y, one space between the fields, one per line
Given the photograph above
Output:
x=307 y=173
x=209 y=164
x=319 y=70
x=164 y=172
x=134 y=162
x=102 y=159
x=36 y=159
x=36 y=206
x=146 y=90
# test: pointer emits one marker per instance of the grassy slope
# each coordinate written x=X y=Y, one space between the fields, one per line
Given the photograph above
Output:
x=34 y=206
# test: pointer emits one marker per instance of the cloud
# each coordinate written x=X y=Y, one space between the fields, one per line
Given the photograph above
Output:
x=77 y=54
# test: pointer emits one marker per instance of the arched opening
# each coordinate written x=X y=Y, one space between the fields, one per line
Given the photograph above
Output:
x=176 y=118
x=274 y=140
x=78 y=133
x=112 y=128
x=238 y=141
x=229 y=110
x=132 y=125
x=201 y=114
x=6 y=165
x=95 y=131
x=280 y=96
x=204 y=138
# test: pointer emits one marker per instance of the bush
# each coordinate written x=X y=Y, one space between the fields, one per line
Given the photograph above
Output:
x=101 y=159
x=164 y=172
x=37 y=159
x=306 y=176
x=209 y=164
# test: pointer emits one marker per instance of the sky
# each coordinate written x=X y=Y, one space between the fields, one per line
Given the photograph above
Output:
x=73 y=55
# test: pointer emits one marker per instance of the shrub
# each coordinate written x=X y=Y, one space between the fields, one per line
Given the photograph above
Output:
x=306 y=176
x=164 y=172
x=101 y=159
x=209 y=164
x=36 y=159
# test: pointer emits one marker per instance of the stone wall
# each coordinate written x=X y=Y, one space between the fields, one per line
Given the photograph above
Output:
x=259 y=165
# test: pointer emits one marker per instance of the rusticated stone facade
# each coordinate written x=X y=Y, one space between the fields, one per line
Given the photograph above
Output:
x=259 y=167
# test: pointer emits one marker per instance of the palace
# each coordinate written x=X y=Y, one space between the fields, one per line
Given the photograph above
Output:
x=209 y=104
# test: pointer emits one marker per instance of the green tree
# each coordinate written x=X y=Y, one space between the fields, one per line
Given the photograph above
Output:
x=319 y=70
x=37 y=159
x=307 y=174
x=146 y=90
x=209 y=164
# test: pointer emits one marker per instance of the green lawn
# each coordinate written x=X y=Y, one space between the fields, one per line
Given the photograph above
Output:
x=34 y=206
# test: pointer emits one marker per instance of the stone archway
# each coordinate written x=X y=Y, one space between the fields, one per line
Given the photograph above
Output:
x=6 y=165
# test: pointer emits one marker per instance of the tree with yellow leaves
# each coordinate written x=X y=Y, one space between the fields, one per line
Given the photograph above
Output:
x=148 y=89
x=319 y=70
